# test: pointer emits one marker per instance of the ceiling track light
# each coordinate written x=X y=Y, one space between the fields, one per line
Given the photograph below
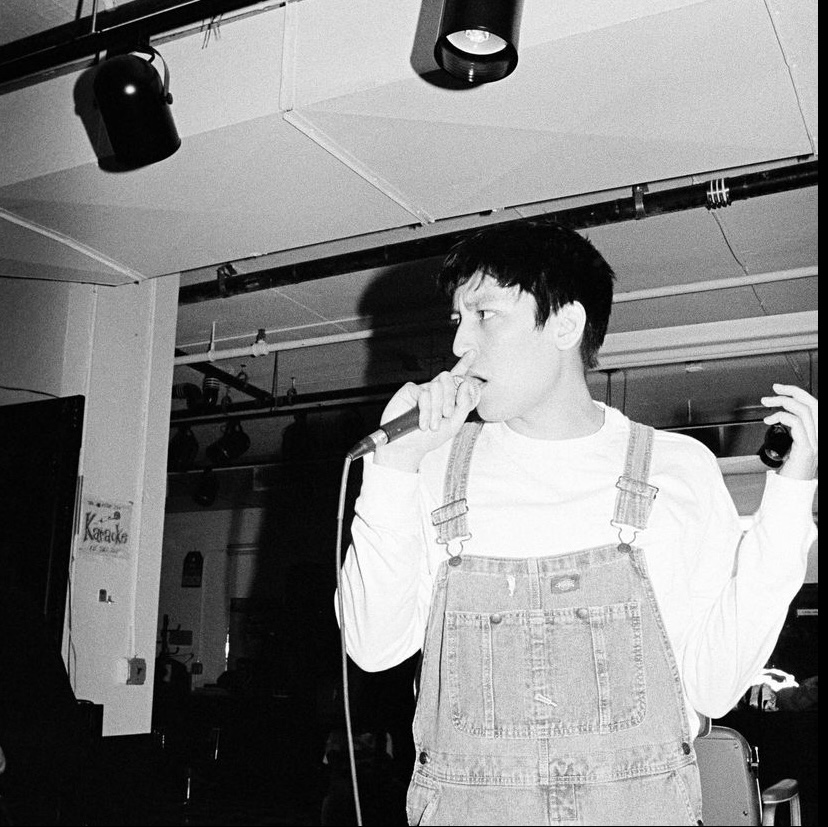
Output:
x=205 y=489
x=182 y=451
x=230 y=446
x=135 y=108
x=478 y=39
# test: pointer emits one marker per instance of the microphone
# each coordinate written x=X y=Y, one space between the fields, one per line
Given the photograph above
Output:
x=399 y=426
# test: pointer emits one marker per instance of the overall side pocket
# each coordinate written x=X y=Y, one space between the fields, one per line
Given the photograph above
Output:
x=421 y=799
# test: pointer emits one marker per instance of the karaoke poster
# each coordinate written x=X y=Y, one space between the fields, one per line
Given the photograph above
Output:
x=105 y=528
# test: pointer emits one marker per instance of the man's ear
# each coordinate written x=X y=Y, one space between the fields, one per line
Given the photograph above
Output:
x=569 y=330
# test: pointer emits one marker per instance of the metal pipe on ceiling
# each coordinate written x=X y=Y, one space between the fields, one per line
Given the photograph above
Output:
x=713 y=194
x=192 y=359
x=716 y=284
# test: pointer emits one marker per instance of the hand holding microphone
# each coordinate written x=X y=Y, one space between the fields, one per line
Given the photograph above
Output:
x=431 y=414
x=798 y=411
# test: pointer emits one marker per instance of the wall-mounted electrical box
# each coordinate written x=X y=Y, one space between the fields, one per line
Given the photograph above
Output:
x=136 y=671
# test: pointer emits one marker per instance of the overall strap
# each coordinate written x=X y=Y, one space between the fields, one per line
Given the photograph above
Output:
x=450 y=518
x=635 y=496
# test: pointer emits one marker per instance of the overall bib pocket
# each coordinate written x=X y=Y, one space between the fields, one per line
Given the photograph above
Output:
x=542 y=673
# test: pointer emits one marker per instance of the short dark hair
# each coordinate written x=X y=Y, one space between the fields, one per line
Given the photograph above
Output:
x=551 y=262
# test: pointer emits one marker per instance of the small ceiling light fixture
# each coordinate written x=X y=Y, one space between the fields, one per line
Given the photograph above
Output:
x=210 y=388
x=478 y=39
x=778 y=441
x=206 y=488
x=230 y=445
x=135 y=107
x=183 y=449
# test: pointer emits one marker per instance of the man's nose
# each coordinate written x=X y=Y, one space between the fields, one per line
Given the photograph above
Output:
x=462 y=340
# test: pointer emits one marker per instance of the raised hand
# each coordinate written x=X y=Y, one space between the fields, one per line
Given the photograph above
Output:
x=444 y=403
x=798 y=410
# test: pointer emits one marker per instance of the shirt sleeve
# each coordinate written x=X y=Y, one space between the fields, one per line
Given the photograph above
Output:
x=741 y=587
x=385 y=583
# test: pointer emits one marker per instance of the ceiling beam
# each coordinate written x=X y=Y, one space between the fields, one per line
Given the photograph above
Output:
x=118 y=29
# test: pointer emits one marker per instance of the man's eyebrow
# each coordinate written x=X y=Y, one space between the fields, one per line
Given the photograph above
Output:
x=475 y=298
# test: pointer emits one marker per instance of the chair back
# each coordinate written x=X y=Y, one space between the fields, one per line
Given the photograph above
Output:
x=729 y=779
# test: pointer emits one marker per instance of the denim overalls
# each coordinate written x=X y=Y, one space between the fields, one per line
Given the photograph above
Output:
x=549 y=693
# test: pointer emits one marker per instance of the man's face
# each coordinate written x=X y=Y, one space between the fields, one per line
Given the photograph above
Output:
x=516 y=362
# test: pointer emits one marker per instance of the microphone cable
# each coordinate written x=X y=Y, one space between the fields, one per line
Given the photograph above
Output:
x=346 y=700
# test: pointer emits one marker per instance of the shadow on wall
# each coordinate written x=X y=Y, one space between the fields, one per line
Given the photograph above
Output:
x=288 y=667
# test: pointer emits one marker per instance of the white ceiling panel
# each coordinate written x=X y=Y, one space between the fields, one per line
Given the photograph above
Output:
x=776 y=232
x=392 y=296
x=30 y=253
x=22 y=18
x=339 y=47
x=227 y=78
x=224 y=195
x=267 y=309
x=591 y=113
x=692 y=308
x=229 y=75
x=789 y=296
x=398 y=291
x=40 y=132
x=673 y=249
x=619 y=80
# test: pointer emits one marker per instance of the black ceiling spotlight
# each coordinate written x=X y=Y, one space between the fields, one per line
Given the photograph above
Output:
x=135 y=107
x=778 y=441
x=206 y=488
x=230 y=445
x=478 y=39
x=182 y=450
x=210 y=388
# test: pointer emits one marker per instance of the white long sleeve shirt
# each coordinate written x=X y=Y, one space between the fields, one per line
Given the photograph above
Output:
x=723 y=593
